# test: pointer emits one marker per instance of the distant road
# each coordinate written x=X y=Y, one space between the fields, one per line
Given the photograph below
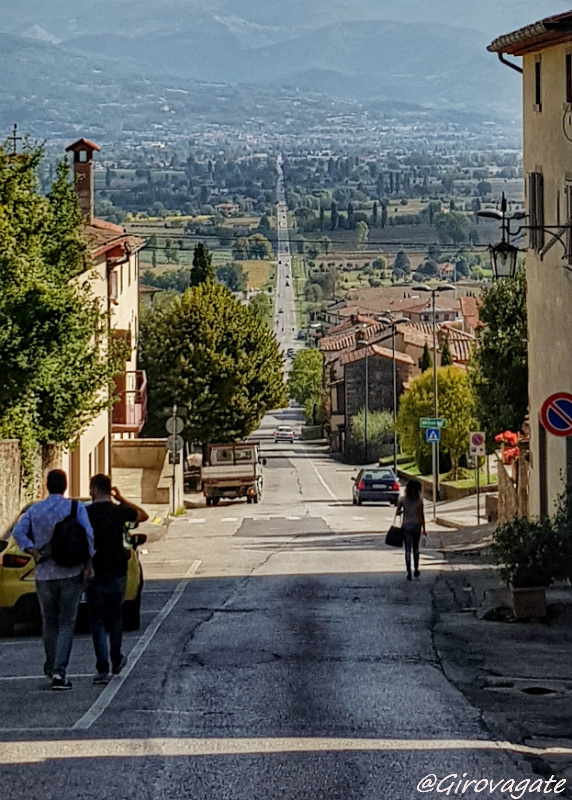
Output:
x=285 y=322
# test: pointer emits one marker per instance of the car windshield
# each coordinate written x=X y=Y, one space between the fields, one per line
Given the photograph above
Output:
x=378 y=475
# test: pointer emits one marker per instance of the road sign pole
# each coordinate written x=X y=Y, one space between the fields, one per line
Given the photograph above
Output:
x=174 y=477
x=478 y=491
x=434 y=459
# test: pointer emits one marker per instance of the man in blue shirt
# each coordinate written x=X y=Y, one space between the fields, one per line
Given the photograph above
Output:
x=58 y=588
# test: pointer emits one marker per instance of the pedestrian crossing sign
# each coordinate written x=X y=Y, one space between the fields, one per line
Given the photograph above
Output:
x=432 y=435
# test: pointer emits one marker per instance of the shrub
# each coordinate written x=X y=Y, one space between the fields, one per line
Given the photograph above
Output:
x=527 y=552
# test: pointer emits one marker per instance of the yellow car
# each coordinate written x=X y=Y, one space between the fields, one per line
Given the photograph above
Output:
x=18 y=599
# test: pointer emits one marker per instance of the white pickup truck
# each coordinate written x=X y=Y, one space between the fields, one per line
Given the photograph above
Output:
x=232 y=470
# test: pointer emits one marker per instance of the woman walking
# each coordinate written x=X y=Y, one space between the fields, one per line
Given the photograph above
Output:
x=413 y=525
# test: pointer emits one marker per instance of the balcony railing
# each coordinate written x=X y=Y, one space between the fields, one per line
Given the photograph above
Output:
x=130 y=409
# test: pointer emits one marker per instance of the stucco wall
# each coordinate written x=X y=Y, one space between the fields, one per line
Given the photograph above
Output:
x=549 y=296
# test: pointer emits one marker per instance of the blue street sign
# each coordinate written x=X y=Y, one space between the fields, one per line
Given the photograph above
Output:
x=432 y=435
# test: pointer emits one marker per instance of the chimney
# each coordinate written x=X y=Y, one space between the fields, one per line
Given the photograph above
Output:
x=83 y=151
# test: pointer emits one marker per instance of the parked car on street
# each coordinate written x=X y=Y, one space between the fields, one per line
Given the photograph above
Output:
x=18 y=599
x=375 y=485
x=284 y=433
x=290 y=352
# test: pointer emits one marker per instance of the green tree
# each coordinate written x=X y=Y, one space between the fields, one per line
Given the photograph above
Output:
x=203 y=269
x=261 y=306
x=259 y=247
x=240 y=249
x=446 y=355
x=233 y=276
x=426 y=362
x=452 y=227
x=500 y=362
x=362 y=234
x=209 y=353
x=456 y=405
x=380 y=264
x=402 y=263
x=305 y=384
x=57 y=358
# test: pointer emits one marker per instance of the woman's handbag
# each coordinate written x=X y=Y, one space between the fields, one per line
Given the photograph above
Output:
x=394 y=536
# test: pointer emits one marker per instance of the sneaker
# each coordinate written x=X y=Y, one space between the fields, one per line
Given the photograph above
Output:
x=416 y=573
x=118 y=667
x=408 y=576
x=101 y=678
x=60 y=683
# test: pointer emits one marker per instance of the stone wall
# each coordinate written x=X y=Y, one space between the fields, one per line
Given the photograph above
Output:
x=10 y=494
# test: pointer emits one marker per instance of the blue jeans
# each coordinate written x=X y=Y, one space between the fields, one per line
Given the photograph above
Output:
x=105 y=595
x=59 y=601
x=411 y=537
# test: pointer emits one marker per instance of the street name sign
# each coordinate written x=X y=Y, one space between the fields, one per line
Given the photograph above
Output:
x=433 y=435
x=432 y=422
x=556 y=414
x=477 y=446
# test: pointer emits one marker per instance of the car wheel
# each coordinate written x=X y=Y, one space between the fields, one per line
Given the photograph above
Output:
x=255 y=499
x=354 y=501
x=216 y=501
x=248 y=499
x=359 y=501
x=132 y=611
x=209 y=501
x=6 y=623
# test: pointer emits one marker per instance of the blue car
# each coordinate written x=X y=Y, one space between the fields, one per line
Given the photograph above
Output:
x=376 y=485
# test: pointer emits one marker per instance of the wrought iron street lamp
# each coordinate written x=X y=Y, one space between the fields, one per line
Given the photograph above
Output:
x=504 y=254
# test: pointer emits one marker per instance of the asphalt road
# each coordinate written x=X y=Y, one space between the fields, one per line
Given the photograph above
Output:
x=285 y=322
x=282 y=655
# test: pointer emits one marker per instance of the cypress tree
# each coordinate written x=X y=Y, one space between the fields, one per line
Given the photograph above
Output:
x=446 y=355
x=425 y=362
x=203 y=269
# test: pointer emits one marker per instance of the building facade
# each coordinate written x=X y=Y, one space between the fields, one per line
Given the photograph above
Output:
x=546 y=51
x=113 y=276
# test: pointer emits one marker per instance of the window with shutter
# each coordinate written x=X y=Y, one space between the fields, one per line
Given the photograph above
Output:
x=536 y=210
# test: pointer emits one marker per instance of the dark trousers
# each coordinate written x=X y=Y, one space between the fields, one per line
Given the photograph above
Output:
x=105 y=595
x=411 y=538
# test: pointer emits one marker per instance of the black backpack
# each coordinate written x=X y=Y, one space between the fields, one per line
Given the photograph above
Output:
x=69 y=546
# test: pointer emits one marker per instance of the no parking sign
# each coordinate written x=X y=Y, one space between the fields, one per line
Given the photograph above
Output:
x=477 y=446
x=556 y=414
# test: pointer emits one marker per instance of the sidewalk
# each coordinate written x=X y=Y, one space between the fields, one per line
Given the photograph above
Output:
x=517 y=673
x=458 y=513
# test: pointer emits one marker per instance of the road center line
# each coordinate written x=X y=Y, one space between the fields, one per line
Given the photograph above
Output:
x=322 y=481
x=105 y=698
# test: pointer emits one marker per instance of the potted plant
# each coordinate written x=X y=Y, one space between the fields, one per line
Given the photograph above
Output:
x=527 y=553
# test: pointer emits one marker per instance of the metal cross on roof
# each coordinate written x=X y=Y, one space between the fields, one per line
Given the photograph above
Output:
x=14 y=139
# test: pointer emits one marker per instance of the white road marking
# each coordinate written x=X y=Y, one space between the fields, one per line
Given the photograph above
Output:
x=322 y=481
x=69 y=750
x=195 y=521
x=42 y=677
x=229 y=519
x=101 y=704
x=293 y=518
x=358 y=519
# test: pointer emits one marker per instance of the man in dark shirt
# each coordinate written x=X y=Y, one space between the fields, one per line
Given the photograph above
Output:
x=108 y=515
